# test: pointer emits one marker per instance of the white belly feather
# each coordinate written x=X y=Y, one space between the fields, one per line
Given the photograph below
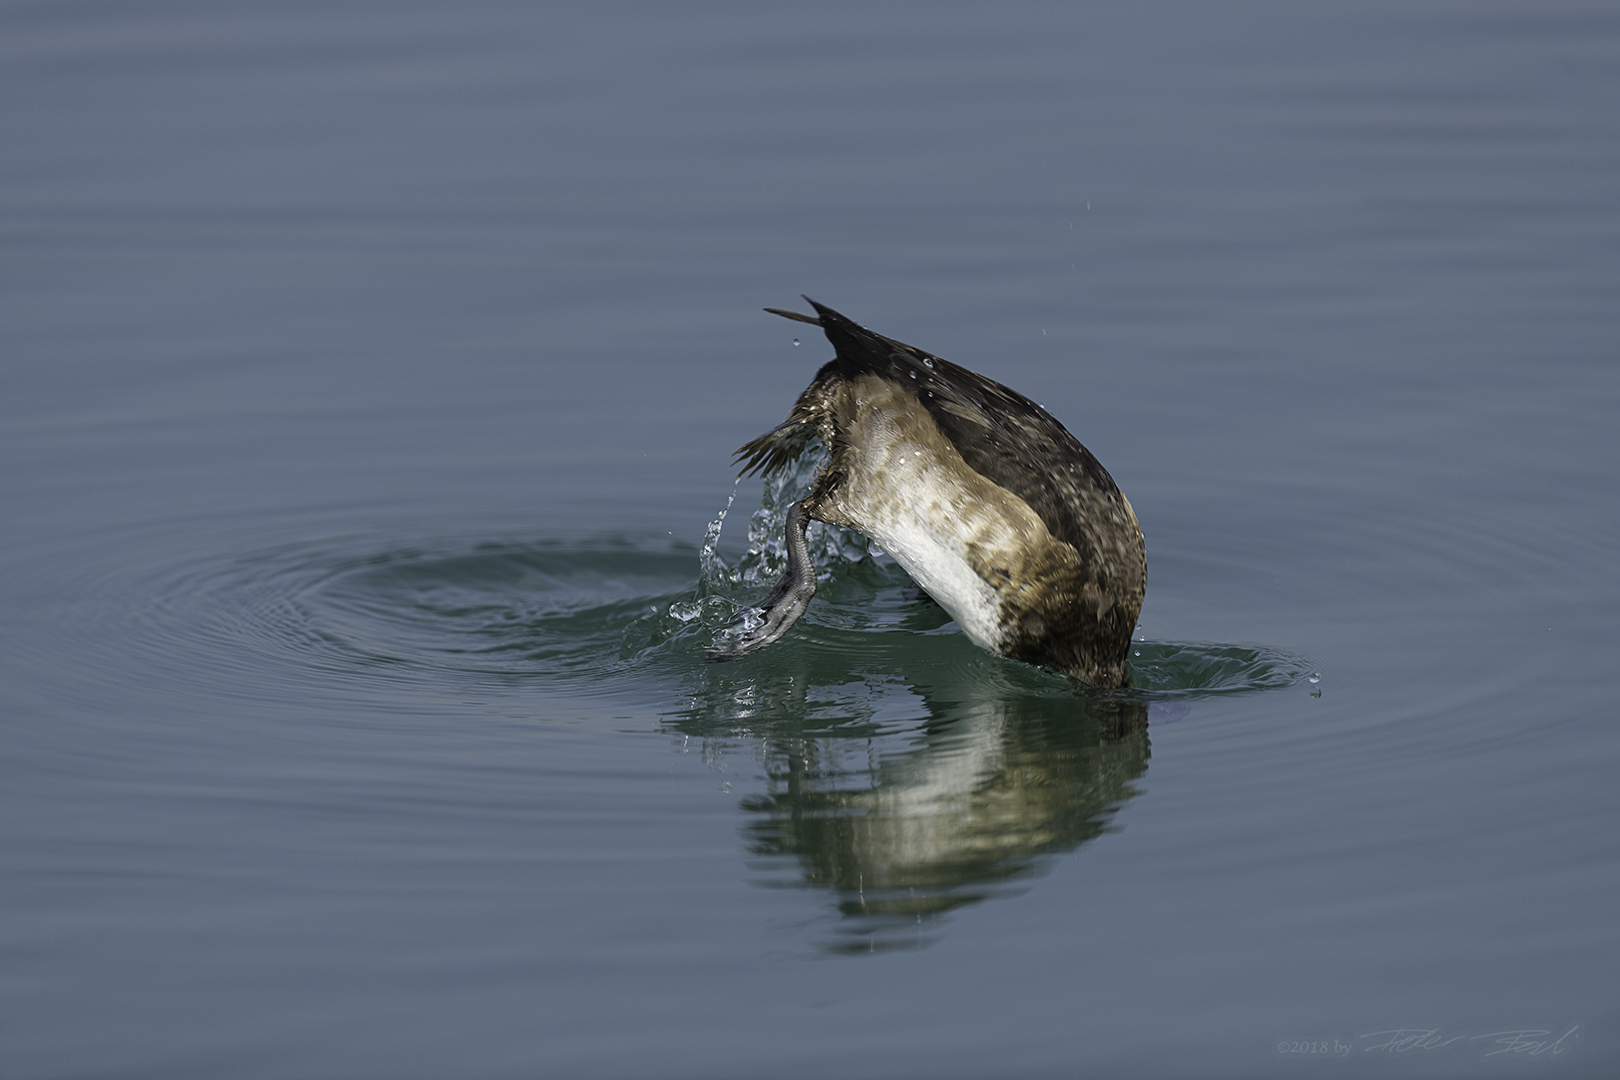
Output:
x=933 y=557
x=908 y=490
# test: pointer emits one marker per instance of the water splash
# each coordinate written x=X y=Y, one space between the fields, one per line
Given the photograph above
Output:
x=710 y=565
x=741 y=625
x=765 y=559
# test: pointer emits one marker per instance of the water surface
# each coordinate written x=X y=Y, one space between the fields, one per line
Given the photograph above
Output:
x=371 y=378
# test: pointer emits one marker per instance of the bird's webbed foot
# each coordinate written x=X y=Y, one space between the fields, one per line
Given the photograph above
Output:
x=755 y=628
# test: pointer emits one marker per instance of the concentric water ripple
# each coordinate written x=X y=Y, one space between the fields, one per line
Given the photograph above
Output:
x=367 y=614
x=572 y=612
x=566 y=613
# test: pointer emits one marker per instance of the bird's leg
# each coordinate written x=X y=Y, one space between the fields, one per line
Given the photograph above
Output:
x=782 y=608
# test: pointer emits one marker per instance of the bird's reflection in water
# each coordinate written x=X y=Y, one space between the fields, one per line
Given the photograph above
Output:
x=912 y=792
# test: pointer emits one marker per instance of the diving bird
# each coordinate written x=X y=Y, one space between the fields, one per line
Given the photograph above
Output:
x=980 y=494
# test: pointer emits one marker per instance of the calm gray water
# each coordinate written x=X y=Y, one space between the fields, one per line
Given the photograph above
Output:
x=371 y=373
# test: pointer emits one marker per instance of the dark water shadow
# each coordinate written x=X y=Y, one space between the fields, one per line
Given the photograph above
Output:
x=907 y=796
x=907 y=773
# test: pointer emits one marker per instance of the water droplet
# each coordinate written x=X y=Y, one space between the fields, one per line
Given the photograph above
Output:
x=1315 y=678
x=927 y=363
x=1139 y=652
x=795 y=341
x=913 y=374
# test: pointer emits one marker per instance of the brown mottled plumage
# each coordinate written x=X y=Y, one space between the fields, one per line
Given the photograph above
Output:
x=990 y=504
